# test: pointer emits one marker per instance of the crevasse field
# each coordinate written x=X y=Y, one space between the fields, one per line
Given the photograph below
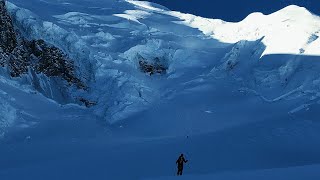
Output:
x=240 y=100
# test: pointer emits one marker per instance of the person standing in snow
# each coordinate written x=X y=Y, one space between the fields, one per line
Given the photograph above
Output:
x=181 y=160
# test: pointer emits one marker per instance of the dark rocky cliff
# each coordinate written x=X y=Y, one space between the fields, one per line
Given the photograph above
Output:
x=8 y=39
x=19 y=56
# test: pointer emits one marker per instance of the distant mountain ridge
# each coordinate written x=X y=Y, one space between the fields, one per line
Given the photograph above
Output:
x=234 y=10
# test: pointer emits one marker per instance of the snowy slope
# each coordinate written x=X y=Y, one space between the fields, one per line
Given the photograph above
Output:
x=107 y=39
x=290 y=31
x=235 y=96
x=239 y=9
x=295 y=173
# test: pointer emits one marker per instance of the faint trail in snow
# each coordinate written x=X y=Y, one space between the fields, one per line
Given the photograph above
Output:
x=303 y=106
x=275 y=99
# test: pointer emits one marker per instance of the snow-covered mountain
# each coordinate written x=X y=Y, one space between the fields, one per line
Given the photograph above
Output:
x=109 y=45
x=118 y=78
x=233 y=10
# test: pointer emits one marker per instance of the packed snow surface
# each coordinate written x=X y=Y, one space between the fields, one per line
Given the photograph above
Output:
x=239 y=99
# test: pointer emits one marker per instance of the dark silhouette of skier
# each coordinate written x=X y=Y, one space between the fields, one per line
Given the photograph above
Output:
x=181 y=160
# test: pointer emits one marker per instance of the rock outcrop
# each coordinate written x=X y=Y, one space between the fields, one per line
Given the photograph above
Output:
x=22 y=57
x=154 y=67
x=8 y=40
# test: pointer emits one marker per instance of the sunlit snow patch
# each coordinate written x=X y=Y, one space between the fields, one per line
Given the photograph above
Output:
x=134 y=15
x=283 y=32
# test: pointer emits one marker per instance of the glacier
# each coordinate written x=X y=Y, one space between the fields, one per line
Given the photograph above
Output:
x=240 y=99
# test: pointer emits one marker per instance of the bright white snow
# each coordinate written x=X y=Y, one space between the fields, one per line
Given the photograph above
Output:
x=239 y=99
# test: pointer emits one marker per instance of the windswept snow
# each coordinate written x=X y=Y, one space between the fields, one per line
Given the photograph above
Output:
x=235 y=96
x=107 y=45
x=134 y=15
x=283 y=32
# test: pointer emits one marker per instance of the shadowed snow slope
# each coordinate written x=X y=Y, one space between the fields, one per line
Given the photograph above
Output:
x=107 y=39
x=232 y=96
x=295 y=173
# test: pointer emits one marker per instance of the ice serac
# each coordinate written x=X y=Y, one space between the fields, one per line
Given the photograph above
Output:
x=134 y=54
x=47 y=68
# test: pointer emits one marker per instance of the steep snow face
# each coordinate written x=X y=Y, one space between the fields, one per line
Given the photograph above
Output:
x=291 y=30
x=285 y=32
x=122 y=49
x=272 y=55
